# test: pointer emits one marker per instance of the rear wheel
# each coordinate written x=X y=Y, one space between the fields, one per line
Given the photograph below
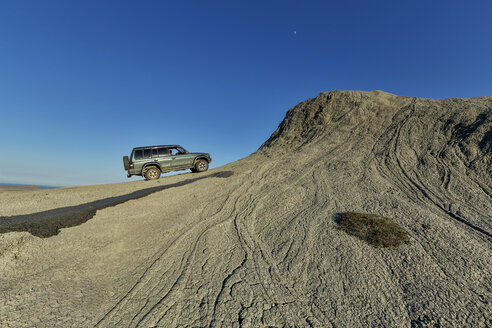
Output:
x=201 y=165
x=152 y=173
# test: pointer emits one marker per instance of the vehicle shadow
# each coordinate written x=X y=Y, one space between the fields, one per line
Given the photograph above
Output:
x=48 y=223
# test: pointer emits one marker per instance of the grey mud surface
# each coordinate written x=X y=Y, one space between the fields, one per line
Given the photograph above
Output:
x=261 y=247
x=48 y=223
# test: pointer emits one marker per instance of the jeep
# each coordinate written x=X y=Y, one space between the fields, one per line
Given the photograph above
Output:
x=150 y=162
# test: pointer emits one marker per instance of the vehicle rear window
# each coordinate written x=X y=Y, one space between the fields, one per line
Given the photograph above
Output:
x=138 y=154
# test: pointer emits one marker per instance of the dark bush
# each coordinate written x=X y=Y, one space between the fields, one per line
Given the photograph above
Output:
x=378 y=231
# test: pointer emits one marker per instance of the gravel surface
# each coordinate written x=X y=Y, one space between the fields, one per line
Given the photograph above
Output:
x=255 y=243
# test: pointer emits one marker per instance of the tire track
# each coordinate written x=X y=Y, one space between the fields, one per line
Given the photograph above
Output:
x=148 y=276
x=150 y=310
x=410 y=184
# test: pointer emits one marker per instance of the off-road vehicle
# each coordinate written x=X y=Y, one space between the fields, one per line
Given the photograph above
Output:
x=150 y=162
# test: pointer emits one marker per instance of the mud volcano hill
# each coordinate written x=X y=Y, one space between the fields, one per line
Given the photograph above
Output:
x=257 y=243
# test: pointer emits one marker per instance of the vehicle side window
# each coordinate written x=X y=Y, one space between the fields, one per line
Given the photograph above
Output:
x=155 y=152
x=163 y=151
x=138 y=154
x=146 y=153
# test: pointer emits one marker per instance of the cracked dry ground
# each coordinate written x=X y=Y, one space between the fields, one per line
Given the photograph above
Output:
x=259 y=246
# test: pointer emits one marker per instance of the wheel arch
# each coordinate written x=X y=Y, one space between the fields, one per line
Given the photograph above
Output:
x=146 y=166
x=200 y=157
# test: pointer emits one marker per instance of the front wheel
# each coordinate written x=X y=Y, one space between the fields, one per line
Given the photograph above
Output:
x=201 y=165
x=152 y=173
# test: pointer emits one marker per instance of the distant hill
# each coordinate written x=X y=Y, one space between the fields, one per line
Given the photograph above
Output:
x=13 y=187
x=21 y=187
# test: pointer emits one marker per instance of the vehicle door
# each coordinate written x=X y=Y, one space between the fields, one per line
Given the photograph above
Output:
x=180 y=158
x=162 y=157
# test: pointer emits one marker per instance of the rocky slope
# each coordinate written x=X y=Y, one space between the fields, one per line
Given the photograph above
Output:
x=255 y=243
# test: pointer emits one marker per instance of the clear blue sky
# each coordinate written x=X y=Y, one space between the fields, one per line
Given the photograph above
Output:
x=83 y=82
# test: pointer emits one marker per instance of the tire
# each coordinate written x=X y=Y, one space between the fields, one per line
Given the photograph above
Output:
x=126 y=163
x=152 y=173
x=201 y=165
